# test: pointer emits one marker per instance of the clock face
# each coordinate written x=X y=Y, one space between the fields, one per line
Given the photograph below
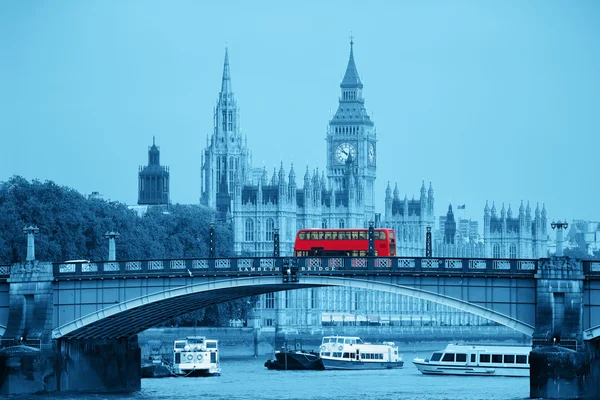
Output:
x=371 y=154
x=343 y=151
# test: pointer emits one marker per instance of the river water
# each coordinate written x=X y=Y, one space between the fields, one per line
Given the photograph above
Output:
x=247 y=378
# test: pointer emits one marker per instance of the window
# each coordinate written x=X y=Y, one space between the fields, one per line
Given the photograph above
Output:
x=270 y=301
x=521 y=359
x=461 y=357
x=324 y=223
x=497 y=358
x=270 y=227
x=436 y=356
x=341 y=224
x=224 y=120
x=448 y=357
x=249 y=230
x=484 y=358
x=230 y=121
x=512 y=251
x=473 y=358
x=496 y=251
x=509 y=359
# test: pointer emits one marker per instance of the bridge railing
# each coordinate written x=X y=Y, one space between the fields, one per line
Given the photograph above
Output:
x=304 y=265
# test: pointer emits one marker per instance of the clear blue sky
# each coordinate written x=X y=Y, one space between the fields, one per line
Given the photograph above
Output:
x=496 y=100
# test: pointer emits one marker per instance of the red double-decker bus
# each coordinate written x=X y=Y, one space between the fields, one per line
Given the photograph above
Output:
x=343 y=242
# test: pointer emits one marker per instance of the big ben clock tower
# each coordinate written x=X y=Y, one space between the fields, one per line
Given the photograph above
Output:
x=352 y=143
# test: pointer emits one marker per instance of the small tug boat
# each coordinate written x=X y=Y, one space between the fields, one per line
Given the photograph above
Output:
x=350 y=352
x=293 y=357
x=155 y=368
x=196 y=356
x=477 y=360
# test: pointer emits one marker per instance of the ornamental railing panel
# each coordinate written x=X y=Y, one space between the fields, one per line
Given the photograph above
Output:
x=89 y=267
x=199 y=264
x=313 y=262
x=223 y=263
x=66 y=268
x=406 y=263
x=245 y=263
x=383 y=263
x=477 y=264
x=177 y=264
x=526 y=265
x=267 y=263
x=501 y=264
x=154 y=265
x=5 y=270
x=430 y=263
x=359 y=263
x=335 y=262
x=453 y=264
x=111 y=267
x=133 y=266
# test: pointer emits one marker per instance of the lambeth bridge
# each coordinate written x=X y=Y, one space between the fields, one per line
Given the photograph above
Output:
x=85 y=315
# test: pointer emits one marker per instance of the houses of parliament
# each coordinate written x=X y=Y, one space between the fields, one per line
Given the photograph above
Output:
x=341 y=196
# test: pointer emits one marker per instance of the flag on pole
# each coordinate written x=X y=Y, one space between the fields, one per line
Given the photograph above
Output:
x=462 y=207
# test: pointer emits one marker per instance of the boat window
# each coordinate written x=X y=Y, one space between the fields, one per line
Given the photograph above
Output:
x=179 y=345
x=460 y=357
x=496 y=358
x=336 y=354
x=211 y=345
x=484 y=358
x=340 y=340
x=473 y=357
x=521 y=359
x=449 y=357
x=509 y=359
x=346 y=355
x=436 y=356
x=326 y=354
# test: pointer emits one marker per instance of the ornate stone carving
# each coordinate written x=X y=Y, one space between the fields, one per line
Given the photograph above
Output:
x=562 y=264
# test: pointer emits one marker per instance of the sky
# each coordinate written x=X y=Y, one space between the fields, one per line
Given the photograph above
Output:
x=487 y=100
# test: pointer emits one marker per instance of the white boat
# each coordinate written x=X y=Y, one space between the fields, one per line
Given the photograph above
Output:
x=485 y=360
x=196 y=356
x=350 y=352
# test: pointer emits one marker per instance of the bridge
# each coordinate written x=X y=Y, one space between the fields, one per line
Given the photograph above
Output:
x=78 y=313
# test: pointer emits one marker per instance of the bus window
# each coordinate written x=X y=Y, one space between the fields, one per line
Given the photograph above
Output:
x=334 y=235
x=302 y=235
x=354 y=235
x=362 y=235
x=392 y=235
x=314 y=235
x=328 y=235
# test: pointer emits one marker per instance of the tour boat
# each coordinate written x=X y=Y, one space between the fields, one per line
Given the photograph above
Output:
x=196 y=356
x=485 y=360
x=350 y=352
x=293 y=357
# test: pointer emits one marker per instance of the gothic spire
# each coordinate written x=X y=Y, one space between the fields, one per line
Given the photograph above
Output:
x=351 y=78
x=226 y=83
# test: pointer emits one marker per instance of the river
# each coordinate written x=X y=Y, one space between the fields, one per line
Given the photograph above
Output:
x=247 y=378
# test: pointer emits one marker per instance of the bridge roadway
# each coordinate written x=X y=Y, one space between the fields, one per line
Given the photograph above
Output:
x=120 y=299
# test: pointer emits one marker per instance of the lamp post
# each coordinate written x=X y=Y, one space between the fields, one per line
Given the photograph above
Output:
x=112 y=248
x=428 y=242
x=30 y=231
x=559 y=226
x=276 y=243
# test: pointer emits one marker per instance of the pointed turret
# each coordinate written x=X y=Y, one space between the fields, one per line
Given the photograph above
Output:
x=397 y=192
x=274 y=177
x=486 y=210
x=509 y=212
x=281 y=175
x=537 y=211
x=388 y=191
x=306 y=179
x=494 y=215
x=430 y=193
x=528 y=211
x=226 y=82
x=521 y=211
x=351 y=78
x=423 y=191
x=503 y=212
x=292 y=176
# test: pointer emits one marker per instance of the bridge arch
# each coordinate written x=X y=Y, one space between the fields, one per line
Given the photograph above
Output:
x=133 y=316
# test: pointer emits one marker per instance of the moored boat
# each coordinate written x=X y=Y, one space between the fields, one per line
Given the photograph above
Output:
x=477 y=360
x=350 y=352
x=196 y=356
x=294 y=357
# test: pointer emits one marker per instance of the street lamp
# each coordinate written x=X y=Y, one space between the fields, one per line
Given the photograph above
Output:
x=559 y=226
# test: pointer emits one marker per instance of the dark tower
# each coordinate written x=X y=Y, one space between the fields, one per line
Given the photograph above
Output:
x=223 y=196
x=153 y=181
x=449 y=227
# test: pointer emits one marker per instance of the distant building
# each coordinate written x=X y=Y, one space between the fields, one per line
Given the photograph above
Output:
x=584 y=235
x=153 y=180
x=523 y=236
x=457 y=238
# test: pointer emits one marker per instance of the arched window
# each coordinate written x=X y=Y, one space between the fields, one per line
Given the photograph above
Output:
x=512 y=252
x=496 y=251
x=270 y=225
x=341 y=224
x=218 y=170
x=324 y=223
x=249 y=230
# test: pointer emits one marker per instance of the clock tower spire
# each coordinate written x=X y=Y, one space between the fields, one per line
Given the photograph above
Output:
x=351 y=135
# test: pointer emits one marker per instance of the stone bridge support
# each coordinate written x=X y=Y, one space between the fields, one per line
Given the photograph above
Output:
x=562 y=365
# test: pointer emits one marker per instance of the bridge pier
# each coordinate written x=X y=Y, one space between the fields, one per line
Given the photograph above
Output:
x=562 y=365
